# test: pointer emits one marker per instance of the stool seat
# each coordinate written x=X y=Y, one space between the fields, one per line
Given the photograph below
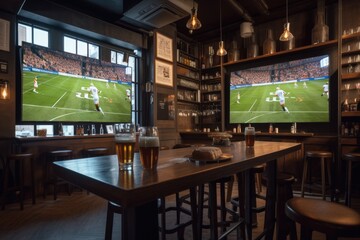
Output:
x=318 y=154
x=95 y=152
x=355 y=157
x=350 y=158
x=19 y=161
x=333 y=219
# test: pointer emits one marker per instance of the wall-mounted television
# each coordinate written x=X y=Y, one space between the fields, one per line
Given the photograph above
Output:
x=284 y=92
x=56 y=88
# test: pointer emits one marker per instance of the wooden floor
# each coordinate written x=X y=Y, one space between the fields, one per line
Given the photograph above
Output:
x=79 y=216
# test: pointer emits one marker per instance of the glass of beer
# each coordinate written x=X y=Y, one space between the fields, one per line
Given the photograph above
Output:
x=149 y=147
x=249 y=136
x=125 y=145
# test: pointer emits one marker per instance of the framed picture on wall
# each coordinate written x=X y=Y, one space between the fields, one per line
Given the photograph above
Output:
x=164 y=47
x=163 y=73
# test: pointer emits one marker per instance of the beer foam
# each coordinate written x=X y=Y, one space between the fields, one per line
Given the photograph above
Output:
x=149 y=142
x=124 y=139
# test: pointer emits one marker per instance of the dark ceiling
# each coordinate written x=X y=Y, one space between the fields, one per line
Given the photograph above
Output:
x=233 y=12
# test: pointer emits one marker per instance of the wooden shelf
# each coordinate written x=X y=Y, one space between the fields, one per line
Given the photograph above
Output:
x=284 y=53
x=187 y=78
x=351 y=36
x=350 y=114
x=187 y=67
x=349 y=76
x=216 y=79
x=213 y=91
x=187 y=101
x=353 y=52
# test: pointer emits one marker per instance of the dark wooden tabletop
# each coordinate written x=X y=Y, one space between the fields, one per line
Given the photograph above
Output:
x=175 y=172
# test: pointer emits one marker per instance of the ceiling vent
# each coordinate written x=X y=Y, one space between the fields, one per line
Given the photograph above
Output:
x=159 y=13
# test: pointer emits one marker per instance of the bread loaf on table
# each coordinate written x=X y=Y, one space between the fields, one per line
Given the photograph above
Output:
x=206 y=153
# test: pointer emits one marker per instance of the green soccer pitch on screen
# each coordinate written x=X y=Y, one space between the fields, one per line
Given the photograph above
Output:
x=63 y=87
x=292 y=91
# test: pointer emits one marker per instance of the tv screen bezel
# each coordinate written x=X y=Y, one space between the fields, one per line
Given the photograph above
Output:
x=264 y=60
x=19 y=101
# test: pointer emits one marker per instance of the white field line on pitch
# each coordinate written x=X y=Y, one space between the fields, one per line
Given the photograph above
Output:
x=59 y=99
x=73 y=109
x=252 y=105
x=280 y=111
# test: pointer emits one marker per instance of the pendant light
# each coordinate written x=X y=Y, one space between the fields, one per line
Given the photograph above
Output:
x=221 y=51
x=193 y=23
x=286 y=35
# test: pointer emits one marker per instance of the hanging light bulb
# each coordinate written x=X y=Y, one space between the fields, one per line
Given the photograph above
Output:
x=286 y=35
x=193 y=23
x=221 y=51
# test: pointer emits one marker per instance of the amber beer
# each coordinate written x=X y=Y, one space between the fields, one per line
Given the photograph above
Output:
x=125 y=146
x=249 y=136
x=149 y=152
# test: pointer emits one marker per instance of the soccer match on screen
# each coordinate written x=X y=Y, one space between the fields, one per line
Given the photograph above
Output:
x=294 y=91
x=58 y=86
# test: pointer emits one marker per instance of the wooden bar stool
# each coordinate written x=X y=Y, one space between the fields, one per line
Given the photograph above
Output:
x=284 y=226
x=19 y=160
x=332 y=219
x=213 y=207
x=257 y=172
x=49 y=177
x=111 y=209
x=350 y=158
x=96 y=152
x=323 y=156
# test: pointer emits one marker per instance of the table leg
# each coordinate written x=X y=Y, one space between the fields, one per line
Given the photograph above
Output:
x=249 y=190
x=141 y=222
x=213 y=211
x=271 y=168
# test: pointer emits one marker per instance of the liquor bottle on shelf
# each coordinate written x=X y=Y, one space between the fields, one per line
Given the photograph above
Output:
x=60 y=130
x=101 y=130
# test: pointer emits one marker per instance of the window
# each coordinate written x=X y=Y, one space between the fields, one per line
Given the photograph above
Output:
x=93 y=51
x=70 y=45
x=118 y=57
x=82 y=48
x=33 y=35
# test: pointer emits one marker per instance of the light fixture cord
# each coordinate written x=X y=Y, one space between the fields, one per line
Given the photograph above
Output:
x=220 y=23
x=287 y=13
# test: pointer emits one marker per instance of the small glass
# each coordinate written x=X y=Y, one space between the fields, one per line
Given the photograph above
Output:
x=125 y=145
x=149 y=145
x=249 y=136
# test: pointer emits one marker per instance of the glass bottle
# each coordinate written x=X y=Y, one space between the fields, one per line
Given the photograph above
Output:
x=60 y=130
x=93 y=130
x=101 y=130
x=253 y=49
x=320 y=32
x=269 y=44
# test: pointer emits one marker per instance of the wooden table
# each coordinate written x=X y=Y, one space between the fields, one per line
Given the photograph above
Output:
x=138 y=190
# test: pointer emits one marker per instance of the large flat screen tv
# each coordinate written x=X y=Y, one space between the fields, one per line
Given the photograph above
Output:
x=56 y=87
x=291 y=91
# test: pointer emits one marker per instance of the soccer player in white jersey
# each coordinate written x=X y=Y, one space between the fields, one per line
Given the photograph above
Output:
x=325 y=90
x=281 y=95
x=128 y=94
x=95 y=94
x=35 y=85
x=238 y=97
